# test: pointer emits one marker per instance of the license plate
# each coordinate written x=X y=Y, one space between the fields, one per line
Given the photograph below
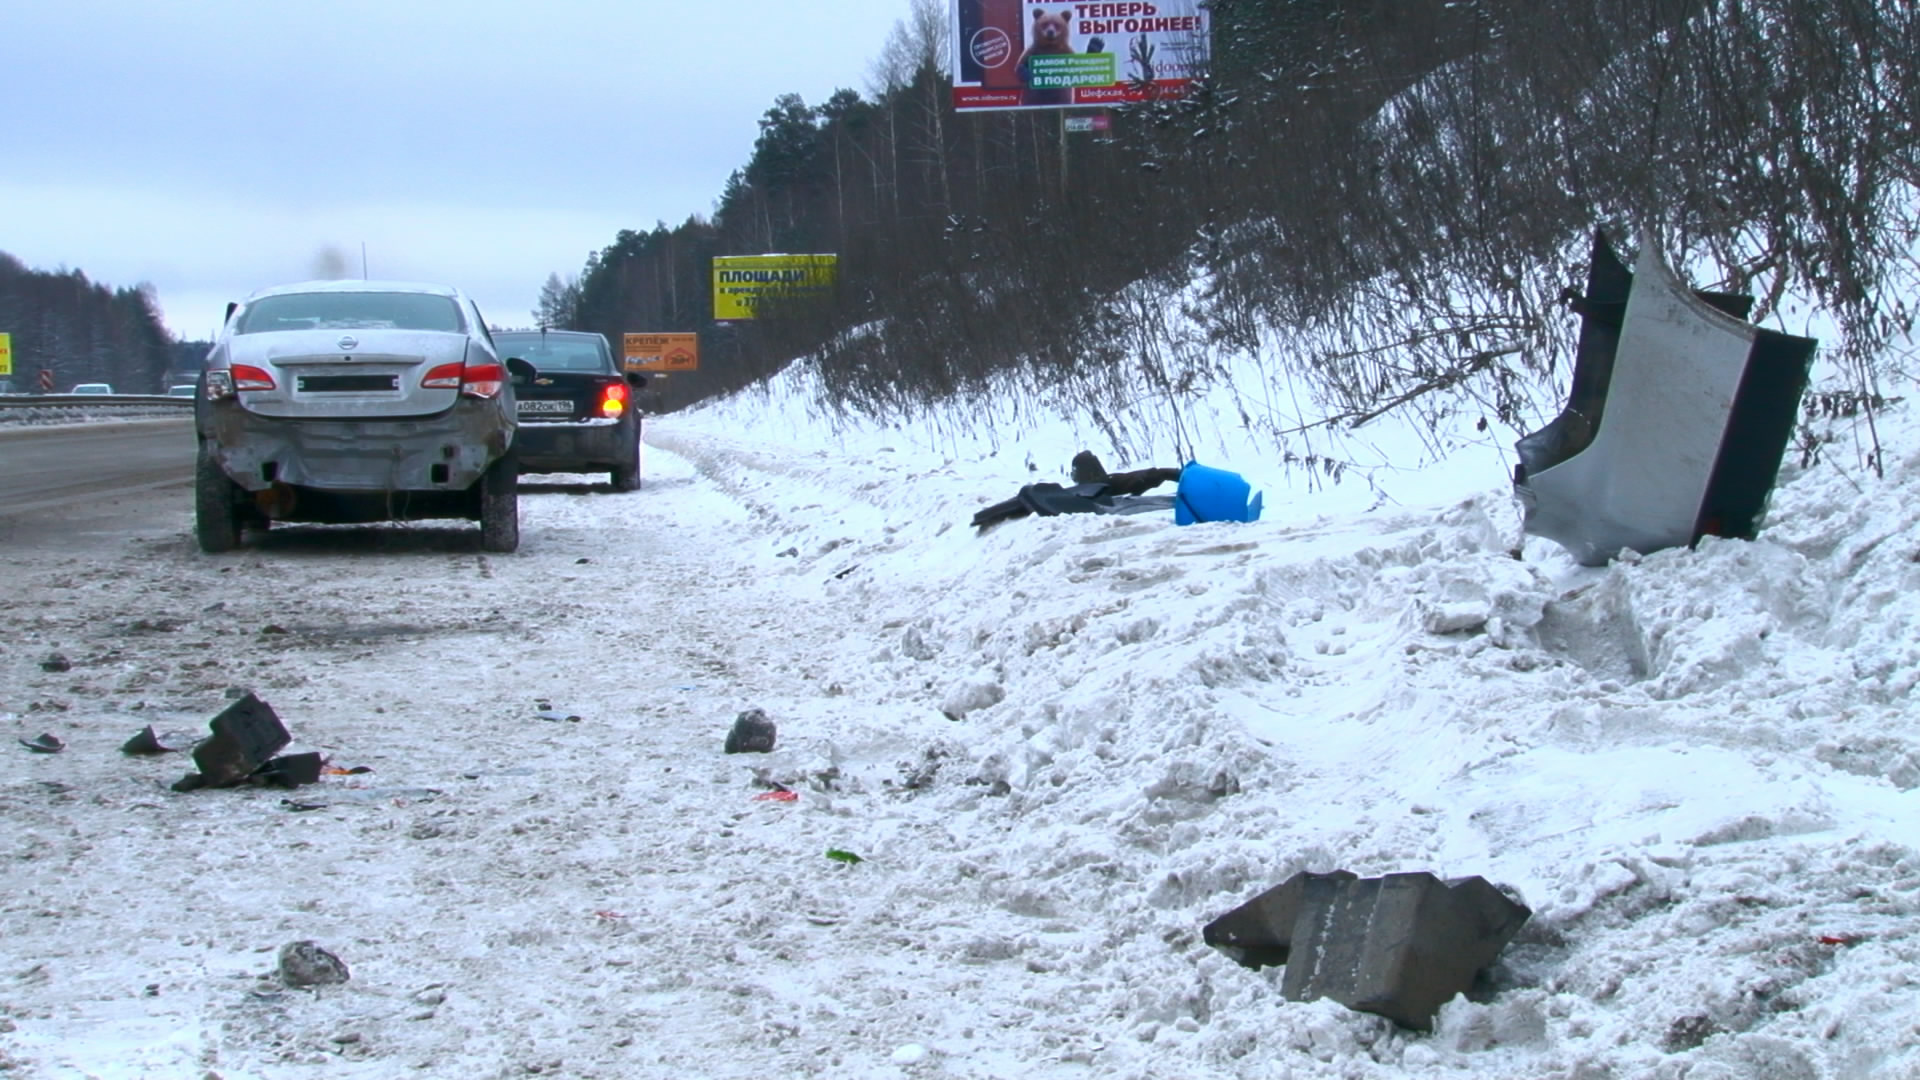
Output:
x=347 y=384
x=546 y=408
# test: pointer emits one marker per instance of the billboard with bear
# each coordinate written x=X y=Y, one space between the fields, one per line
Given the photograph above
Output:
x=1044 y=54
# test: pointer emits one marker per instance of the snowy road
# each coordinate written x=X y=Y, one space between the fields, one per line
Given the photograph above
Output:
x=49 y=469
x=1700 y=770
x=596 y=883
x=607 y=893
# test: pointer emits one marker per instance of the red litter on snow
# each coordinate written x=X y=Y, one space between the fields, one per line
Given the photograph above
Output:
x=777 y=796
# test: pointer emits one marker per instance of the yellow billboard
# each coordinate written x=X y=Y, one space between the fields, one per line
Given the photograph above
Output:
x=661 y=352
x=739 y=281
x=6 y=354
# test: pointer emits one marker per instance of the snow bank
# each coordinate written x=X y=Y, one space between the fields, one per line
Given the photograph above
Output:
x=1698 y=767
x=1059 y=747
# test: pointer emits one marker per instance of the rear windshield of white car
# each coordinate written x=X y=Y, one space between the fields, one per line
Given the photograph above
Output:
x=549 y=352
x=350 y=311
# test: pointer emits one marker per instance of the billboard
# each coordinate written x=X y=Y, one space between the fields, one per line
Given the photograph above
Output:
x=6 y=354
x=661 y=352
x=1038 y=54
x=739 y=281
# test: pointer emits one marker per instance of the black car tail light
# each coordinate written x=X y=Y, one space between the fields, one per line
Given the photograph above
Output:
x=613 y=399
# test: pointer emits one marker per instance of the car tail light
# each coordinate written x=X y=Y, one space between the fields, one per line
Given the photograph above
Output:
x=613 y=399
x=482 y=380
x=474 y=380
x=248 y=377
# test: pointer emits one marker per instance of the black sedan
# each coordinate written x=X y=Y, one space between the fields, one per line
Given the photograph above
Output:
x=577 y=414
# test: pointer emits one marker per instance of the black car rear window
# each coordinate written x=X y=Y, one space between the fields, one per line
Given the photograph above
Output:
x=550 y=352
x=350 y=311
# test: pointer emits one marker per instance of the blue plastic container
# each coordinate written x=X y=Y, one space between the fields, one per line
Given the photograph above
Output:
x=1208 y=494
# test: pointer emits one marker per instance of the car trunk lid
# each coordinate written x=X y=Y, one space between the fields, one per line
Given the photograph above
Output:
x=565 y=396
x=353 y=374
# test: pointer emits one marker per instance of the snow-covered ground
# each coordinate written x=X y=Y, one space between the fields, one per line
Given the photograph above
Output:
x=1060 y=748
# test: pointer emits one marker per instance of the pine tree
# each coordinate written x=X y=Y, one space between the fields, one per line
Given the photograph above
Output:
x=559 y=303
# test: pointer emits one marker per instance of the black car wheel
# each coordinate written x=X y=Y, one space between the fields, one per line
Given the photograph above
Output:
x=626 y=475
x=500 y=506
x=217 y=509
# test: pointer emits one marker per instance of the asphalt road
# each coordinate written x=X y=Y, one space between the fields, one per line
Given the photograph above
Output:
x=81 y=482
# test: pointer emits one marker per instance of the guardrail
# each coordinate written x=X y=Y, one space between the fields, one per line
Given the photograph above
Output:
x=92 y=401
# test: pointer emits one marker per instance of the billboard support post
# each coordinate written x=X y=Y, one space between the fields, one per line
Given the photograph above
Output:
x=1063 y=156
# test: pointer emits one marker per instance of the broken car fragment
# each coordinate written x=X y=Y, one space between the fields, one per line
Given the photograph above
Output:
x=305 y=963
x=246 y=736
x=149 y=741
x=753 y=732
x=1675 y=424
x=1399 y=946
x=291 y=770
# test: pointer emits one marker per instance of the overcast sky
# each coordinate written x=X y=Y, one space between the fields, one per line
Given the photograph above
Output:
x=218 y=146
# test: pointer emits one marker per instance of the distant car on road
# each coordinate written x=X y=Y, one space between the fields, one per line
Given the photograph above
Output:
x=93 y=388
x=577 y=414
x=182 y=390
x=356 y=401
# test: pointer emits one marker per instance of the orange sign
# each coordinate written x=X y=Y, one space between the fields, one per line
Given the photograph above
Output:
x=662 y=352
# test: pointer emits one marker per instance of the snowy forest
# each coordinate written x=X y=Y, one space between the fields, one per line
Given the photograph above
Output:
x=82 y=331
x=1392 y=198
